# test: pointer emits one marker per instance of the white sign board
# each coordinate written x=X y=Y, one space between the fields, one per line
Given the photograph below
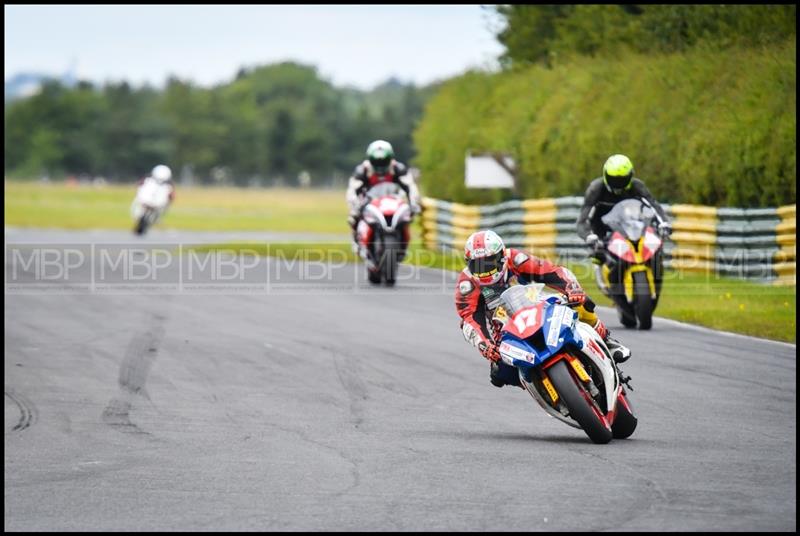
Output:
x=489 y=171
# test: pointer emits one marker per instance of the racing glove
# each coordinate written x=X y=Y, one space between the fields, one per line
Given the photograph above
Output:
x=665 y=228
x=575 y=294
x=489 y=351
x=592 y=240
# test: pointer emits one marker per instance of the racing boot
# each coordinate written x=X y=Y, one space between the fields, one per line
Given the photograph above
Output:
x=619 y=353
x=501 y=374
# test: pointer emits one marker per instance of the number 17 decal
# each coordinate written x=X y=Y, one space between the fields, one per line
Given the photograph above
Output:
x=525 y=319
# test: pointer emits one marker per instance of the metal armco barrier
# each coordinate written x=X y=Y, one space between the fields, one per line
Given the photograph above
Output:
x=757 y=244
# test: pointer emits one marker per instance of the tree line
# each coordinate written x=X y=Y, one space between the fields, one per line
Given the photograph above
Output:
x=553 y=34
x=268 y=125
x=701 y=98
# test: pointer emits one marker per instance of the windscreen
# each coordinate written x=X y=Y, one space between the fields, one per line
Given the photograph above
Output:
x=384 y=188
x=519 y=296
x=630 y=217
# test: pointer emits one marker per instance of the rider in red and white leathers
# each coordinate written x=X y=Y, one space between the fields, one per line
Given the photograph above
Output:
x=379 y=166
x=491 y=269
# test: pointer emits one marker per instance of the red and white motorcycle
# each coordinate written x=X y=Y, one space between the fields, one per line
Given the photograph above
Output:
x=150 y=203
x=383 y=231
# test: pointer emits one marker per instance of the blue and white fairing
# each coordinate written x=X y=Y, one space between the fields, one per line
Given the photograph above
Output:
x=557 y=330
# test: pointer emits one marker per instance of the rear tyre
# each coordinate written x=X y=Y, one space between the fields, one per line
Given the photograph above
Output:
x=579 y=403
x=642 y=300
x=625 y=423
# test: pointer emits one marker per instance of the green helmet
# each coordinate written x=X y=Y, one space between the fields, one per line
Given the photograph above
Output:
x=380 y=155
x=618 y=173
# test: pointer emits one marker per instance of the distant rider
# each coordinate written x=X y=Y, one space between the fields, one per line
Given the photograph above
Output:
x=491 y=269
x=162 y=175
x=379 y=166
x=616 y=184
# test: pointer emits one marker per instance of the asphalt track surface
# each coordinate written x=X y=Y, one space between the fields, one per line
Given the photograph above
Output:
x=305 y=399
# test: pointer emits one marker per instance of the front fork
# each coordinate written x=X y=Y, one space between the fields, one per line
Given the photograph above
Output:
x=547 y=395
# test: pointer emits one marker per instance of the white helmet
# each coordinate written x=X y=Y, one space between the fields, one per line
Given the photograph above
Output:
x=161 y=173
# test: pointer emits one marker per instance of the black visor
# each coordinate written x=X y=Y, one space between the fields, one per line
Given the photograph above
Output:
x=485 y=266
x=619 y=183
x=381 y=165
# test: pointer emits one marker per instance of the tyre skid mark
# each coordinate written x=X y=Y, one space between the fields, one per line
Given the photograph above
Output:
x=134 y=370
x=28 y=412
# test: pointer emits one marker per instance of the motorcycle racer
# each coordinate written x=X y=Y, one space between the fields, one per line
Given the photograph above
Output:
x=154 y=194
x=379 y=166
x=616 y=184
x=162 y=175
x=491 y=269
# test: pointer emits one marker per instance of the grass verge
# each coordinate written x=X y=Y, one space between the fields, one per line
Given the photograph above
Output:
x=78 y=206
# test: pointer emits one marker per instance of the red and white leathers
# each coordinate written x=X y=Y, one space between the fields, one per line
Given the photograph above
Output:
x=365 y=177
x=475 y=304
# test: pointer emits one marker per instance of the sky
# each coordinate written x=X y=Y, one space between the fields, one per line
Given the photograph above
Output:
x=351 y=45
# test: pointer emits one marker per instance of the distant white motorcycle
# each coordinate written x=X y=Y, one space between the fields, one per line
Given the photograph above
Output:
x=151 y=201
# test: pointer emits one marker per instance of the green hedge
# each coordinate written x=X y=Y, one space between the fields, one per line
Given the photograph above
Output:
x=706 y=126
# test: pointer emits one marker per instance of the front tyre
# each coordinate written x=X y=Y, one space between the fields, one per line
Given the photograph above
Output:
x=580 y=404
x=642 y=300
x=141 y=225
x=374 y=276
x=626 y=319
x=392 y=250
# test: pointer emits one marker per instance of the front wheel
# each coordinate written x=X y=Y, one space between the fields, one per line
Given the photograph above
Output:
x=642 y=300
x=626 y=319
x=141 y=225
x=580 y=404
x=374 y=276
x=390 y=258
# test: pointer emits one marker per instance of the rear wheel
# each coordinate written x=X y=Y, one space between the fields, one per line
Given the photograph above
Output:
x=580 y=404
x=642 y=300
x=625 y=422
